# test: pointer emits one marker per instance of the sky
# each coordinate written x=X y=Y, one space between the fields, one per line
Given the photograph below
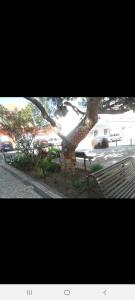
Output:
x=17 y=101
x=69 y=122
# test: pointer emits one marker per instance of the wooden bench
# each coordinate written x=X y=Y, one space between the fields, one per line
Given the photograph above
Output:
x=84 y=156
x=116 y=181
x=77 y=154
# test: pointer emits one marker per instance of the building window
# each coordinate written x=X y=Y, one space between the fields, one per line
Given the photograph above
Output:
x=105 y=131
x=95 y=132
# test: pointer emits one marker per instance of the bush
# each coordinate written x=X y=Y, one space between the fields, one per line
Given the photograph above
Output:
x=96 y=167
x=39 y=172
x=54 y=152
x=21 y=161
x=53 y=149
x=101 y=144
x=24 y=145
x=47 y=165
x=105 y=143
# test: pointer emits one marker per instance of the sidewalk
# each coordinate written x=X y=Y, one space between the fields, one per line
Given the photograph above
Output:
x=15 y=184
x=107 y=157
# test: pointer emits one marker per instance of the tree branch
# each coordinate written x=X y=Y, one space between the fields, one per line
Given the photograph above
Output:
x=86 y=124
x=46 y=116
x=77 y=110
x=42 y=110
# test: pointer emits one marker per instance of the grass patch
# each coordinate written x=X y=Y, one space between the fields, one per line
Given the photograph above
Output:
x=95 y=168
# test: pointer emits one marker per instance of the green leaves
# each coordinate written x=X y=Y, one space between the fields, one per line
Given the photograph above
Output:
x=38 y=119
x=47 y=165
x=17 y=121
x=21 y=161
x=96 y=167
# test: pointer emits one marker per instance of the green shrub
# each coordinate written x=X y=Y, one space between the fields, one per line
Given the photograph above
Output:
x=47 y=165
x=53 y=149
x=53 y=152
x=105 y=143
x=96 y=167
x=39 y=172
x=102 y=144
x=24 y=144
x=21 y=161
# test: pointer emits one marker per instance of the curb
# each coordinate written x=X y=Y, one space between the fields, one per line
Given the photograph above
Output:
x=28 y=180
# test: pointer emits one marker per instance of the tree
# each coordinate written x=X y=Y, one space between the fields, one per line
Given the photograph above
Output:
x=89 y=117
x=16 y=122
x=51 y=108
x=116 y=105
x=87 y=121
x=38 y=120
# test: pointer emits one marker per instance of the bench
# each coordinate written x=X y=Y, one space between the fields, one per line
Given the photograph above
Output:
x=84 y=156
x=116 y=181
x=77 y=154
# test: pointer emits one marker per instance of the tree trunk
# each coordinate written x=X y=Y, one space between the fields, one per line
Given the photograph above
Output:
x=78 y=134
x=68 y=159
x=71 y=141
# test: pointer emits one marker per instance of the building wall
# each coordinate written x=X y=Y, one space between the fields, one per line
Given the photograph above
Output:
x=124 y=124
x=4 y=132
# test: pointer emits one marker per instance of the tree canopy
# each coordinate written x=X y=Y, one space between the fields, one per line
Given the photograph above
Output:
x=58 y=106
x=42 y=111
x=14 y=122
x=92 y=106
x=47 y=110
x=115 y=105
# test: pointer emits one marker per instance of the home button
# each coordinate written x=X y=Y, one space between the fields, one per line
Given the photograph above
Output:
x=67 y=292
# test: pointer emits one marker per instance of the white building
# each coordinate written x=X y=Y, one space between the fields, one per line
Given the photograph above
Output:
x=102 y=128
x=123 y=124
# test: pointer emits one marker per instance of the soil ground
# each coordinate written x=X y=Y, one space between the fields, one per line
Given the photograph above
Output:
x=70 y=186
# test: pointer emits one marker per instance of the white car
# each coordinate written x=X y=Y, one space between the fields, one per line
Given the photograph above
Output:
x=114 y=137
x=54 y=142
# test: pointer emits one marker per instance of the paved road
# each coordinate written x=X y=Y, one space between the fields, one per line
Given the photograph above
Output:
x=107 y=157
x=15 y=184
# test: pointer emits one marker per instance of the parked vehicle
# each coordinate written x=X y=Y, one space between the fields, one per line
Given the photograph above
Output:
x=54 y=142
x=100 y=142
x=40 y=141
x=6 y=146
x=114 y=137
